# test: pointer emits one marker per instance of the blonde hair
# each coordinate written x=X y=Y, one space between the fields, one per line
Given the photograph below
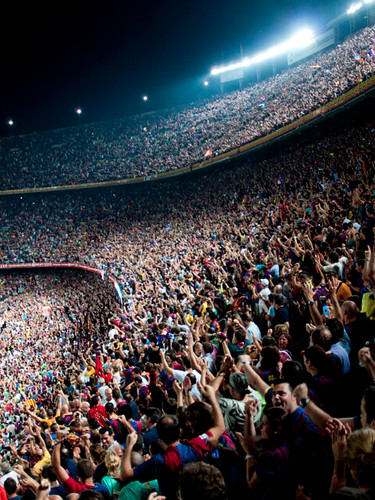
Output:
x=112 y=462
x=280 y=330
x=360 y=456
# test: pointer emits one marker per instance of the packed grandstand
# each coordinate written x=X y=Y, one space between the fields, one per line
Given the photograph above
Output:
x=146 y=145
x=210 y=334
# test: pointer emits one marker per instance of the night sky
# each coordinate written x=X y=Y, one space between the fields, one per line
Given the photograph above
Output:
x=104 y=56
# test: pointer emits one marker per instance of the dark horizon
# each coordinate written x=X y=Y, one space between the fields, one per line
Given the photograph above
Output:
x=102 y=59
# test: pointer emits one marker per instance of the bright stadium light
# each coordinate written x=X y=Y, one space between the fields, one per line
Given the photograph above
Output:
x=368 y=1
x=145 y=98
x=301 y=39
x=354 y=7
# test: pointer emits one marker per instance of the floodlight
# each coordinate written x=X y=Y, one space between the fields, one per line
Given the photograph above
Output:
x=79 y=111
x=205 y=83
x=354 y=7
x=145 y=98
x=10 y=123
x=301 y=39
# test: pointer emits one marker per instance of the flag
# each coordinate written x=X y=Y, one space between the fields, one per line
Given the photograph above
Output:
x=280 y=181
x=118 y=290
x=238 y=302
x=357 y=57
x=371 y=53
x=208 y=153
x=30 y=403
x=98 y=366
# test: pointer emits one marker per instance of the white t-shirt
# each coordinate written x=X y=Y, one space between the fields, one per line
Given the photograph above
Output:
x=11 y=474
x=253 y=329
x=180 y=376
x=112 y=333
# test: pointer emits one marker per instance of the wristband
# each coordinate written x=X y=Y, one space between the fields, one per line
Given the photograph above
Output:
x=304 y=402
x=245 y=363
x=249 y=456
x=310 y=303
x=221 y=374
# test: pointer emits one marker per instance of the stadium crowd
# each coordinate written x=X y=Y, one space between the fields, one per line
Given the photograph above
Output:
x=148 y=144
x=240 y=357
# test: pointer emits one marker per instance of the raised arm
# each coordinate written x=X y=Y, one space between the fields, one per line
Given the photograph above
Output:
x=166 y=367
x=254 y=379
x=314 y=312
x=219 y=426
x=61 y=473
x=126 y=471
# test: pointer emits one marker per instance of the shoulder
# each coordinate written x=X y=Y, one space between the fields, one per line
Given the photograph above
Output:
x=149 y=467
x=72 y=486
x=302 y=421
x=228 y=403
x=200 y=441
x=179 y=374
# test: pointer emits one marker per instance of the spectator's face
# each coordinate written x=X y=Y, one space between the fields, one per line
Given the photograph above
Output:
x=283 y=397
x=198 y=349
x=283 y=342
x=146 y=421
x=107 y=440
x=108 y=394
x=265 y=428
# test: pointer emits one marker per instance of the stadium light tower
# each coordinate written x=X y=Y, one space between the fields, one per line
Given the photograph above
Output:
x=303 y=38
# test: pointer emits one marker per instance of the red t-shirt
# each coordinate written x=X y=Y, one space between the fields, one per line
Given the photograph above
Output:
x=97 y=412
x=72 y=486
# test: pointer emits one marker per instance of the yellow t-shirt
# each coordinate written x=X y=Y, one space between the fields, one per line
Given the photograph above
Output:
x=368 y=305
x=46 y=460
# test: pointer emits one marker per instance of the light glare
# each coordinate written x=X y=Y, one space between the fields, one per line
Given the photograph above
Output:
x=301 y=39
x=354 y=7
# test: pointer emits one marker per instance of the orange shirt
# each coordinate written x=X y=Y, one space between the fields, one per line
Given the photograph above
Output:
x=343 y=292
